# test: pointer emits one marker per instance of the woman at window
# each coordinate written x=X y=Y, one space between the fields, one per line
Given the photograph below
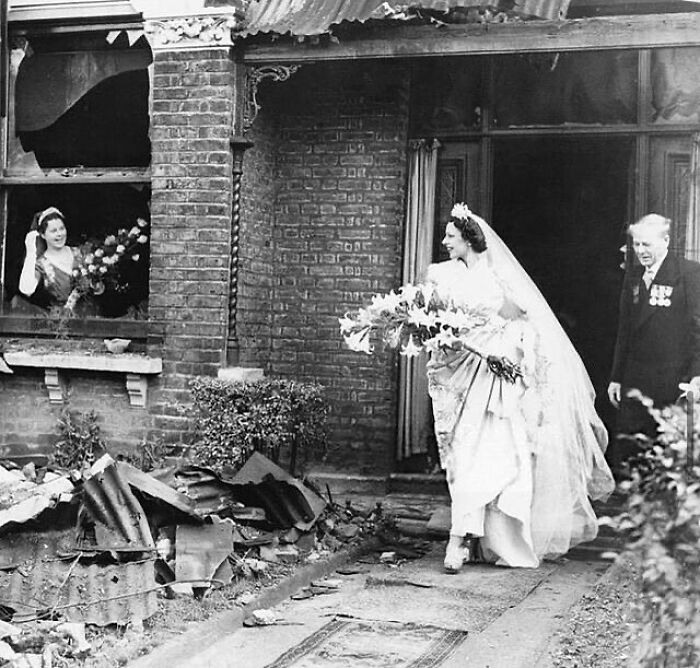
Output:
x=47 y=273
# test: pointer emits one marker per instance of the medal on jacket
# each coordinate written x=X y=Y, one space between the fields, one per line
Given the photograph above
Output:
x=660 y=295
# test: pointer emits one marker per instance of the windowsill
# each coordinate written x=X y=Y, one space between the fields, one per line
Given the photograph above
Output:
x=86 y=328
x=136 y=367
x=119 y=363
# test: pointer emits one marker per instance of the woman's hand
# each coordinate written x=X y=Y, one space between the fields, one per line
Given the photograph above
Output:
x=30 y=242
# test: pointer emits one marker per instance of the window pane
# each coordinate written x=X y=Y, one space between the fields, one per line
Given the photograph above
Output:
x=591 y=88
x=446 y=96
x=78 y=108
x=675 y=83
x=92 y=213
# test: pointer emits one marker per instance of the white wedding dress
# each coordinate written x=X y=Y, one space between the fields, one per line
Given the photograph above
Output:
x=519 y=470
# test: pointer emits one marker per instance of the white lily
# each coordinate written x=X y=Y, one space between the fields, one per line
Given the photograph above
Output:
x=388 y=302
x=420 y=317
x=445 y=338
x=364 y=318
x=410 y=349
x=346 y=324
x=359 y=341
x=408 y=293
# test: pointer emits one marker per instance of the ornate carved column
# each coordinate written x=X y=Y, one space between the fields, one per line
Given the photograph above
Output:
x=239 y=145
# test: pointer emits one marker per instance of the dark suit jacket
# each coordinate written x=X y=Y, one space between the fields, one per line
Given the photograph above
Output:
x=658 y=339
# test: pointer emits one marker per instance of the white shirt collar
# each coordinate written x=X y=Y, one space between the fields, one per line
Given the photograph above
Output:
x=655 y=267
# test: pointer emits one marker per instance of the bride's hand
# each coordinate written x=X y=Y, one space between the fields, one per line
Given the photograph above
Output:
x=30 y=242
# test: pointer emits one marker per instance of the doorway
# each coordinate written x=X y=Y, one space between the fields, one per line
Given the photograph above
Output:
x=562 y=205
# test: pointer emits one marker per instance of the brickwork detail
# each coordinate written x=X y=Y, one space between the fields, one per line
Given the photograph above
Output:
x=190 y=221
x=257 y=262
x=340 y=173
x=29 y=421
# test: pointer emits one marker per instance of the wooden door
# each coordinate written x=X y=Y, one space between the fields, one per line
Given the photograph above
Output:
x=457 y=181
x=670 y=182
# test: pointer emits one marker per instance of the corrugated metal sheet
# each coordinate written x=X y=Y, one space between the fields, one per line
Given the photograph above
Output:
x=205 y=491
x=120 y=521
x=79 y=591
x=286 y=500
x=315 y=17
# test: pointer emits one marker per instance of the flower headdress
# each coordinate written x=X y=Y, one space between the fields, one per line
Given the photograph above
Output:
x=461 y=211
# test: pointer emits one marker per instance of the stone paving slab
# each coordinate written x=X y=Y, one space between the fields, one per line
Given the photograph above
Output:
x=504 y=610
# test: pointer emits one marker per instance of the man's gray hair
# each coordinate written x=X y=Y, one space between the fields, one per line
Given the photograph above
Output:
x=652 y=221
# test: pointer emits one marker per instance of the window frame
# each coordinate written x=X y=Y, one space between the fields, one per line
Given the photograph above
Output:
x=27 y=326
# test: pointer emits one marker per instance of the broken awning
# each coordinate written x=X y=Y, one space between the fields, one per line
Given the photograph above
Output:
x=315 y=17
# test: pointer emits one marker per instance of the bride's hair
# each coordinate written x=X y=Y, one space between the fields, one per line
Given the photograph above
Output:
x=471 y=232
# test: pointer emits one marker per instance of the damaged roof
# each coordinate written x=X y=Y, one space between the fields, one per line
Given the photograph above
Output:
x=314 y=17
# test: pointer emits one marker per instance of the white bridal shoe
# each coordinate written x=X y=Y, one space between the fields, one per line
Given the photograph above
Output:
x=455 y=556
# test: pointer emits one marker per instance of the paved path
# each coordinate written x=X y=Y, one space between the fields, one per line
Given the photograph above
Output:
x=388 y=615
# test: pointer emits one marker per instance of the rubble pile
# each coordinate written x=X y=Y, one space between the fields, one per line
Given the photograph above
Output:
x=109 y=545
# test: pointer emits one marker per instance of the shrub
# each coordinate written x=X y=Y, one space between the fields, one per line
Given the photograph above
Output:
x=662 y=528
x=274 y=417
x=80 y=442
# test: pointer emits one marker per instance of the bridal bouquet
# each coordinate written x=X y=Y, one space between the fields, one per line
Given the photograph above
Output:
x=99 y=268
x=415 y=317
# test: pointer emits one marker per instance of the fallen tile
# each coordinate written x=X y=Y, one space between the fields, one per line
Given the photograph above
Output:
x=301 y=595
x=264 y=617
x=328 y=584
x=268 y=553
x=22 y=500
x=287 y=553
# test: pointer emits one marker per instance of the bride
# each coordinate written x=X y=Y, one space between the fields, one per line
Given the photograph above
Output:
x=522 y=458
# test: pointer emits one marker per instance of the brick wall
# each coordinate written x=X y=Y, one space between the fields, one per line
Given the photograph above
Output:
x=341 y=172
x=190 y=220
x=29 y=422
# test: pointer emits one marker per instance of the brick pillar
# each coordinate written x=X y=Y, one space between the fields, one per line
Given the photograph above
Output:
x=194 y=105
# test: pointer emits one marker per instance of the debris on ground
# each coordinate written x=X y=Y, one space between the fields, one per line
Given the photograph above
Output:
x=109 y=545
x=602 y=629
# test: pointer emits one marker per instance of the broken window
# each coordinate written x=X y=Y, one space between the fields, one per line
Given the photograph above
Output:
x=675 y=84
x=78 y=140
x=589 y=88
x=446 y=96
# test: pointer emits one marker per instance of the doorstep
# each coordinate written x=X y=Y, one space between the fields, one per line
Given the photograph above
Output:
x=347 y=484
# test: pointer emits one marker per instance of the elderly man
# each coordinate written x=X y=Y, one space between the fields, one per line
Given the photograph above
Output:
x=658 y=338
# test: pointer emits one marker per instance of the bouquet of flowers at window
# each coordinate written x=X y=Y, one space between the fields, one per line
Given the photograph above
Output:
x=100 y=265
x=415 y=317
